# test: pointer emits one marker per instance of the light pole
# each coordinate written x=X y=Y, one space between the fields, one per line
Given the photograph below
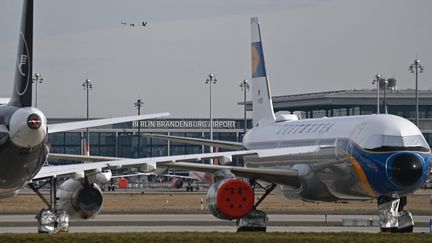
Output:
x=377 y=81
x=385 y=85
x=211 y=80
x=87 y=85
x=416 y=68
x=244 y=85
x=37 y=79
x=138 y=104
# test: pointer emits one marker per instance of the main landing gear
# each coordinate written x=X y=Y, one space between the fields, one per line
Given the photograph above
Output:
x=392 y=217
x=256 y=220
x=51 y=220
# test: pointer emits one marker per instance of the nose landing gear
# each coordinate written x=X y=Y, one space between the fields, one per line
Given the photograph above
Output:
x=392 y=217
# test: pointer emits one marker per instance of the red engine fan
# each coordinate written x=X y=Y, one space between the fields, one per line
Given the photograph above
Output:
x=230 y=199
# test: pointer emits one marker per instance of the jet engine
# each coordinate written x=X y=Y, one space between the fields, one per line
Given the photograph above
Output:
x=123 y=183
x=405 y=169
x=230 y=199
x=103 y=177
x=80 y=200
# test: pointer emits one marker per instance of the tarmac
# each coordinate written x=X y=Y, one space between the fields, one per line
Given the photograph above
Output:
x=116 y=223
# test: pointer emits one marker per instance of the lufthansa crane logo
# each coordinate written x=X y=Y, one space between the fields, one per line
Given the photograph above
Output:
x=255 y=60
x=23 y=66
x=22 y=62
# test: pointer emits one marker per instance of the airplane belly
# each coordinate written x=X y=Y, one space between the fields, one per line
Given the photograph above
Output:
x=340 y=179
x=19 y=165
x=327 y=175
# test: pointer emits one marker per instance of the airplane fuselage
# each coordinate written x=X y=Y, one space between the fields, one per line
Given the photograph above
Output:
x=360 y=157
x=22 y=147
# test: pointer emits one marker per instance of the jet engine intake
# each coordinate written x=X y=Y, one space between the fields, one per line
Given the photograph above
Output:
x=123 y=183
x=80 y=200
x=405 y=169
x=230 y=199
x=103 y=177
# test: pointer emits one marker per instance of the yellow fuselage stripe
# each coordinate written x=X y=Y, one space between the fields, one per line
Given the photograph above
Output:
x=362 y=177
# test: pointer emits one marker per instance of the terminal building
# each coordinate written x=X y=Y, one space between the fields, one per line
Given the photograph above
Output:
x=359 y=102
x=121 y=140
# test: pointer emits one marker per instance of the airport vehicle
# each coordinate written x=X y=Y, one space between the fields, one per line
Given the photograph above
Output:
x=329 y=159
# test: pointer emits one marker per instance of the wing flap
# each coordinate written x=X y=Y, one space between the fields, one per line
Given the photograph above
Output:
x=278 y=176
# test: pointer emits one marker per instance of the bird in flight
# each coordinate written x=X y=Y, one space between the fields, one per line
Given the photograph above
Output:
x=143 y=24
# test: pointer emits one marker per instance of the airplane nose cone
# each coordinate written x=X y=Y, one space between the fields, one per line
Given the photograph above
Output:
x=406 y=169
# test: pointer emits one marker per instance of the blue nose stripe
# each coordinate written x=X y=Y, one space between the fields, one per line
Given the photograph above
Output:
x=376 y=168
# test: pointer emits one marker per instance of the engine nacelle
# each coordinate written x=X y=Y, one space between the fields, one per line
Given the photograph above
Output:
x=103 y=177
x=79 y=200
x=311 y=188
x=230 y=199
x=123 y=183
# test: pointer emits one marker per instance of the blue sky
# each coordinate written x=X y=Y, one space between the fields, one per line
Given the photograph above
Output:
x=309 y=46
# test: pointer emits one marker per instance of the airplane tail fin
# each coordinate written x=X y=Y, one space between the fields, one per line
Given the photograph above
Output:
x=262 y=104
x=22 y=91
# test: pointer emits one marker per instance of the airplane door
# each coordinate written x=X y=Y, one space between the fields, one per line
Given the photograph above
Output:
x=354 y=135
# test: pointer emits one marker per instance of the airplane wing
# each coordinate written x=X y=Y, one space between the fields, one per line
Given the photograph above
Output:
x=152 y=173
x=77 y=157
x=198 y=141
x=280 y=176
x=149 y=163
x=4 y=101
x=132 y=175
x=61 y=127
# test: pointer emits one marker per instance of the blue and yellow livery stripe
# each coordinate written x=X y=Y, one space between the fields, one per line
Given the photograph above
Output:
x=362 y=177
x=258 y=65
x=372 y=172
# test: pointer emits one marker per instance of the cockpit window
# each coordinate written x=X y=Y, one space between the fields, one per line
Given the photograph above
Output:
x=393 y=143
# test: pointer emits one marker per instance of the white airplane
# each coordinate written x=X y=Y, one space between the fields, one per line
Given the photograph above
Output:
x=383 y=157
x=329 y=159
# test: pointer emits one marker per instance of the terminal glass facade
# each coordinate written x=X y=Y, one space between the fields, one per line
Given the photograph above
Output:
x=121 y=140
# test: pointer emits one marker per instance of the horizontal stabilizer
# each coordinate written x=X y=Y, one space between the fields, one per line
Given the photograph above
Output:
x=199 y=141
x=4 y=101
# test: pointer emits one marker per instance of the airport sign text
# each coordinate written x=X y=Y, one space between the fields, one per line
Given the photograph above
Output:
x=184 y=124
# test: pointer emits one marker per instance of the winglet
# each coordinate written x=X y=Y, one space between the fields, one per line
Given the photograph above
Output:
x=22 y=91
x=262 y=104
